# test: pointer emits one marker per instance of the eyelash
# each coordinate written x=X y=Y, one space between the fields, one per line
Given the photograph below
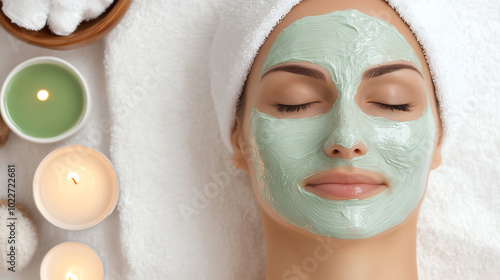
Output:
x=296 y=108
x=293 y=108
x=400 y=107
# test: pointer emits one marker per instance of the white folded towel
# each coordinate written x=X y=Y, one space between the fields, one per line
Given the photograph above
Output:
x=30 y=14
x=62 y=16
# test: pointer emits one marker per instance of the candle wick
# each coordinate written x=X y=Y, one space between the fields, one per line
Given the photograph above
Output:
x=74 y=180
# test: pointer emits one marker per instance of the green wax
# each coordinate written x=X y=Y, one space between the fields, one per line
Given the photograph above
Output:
x=52 y=117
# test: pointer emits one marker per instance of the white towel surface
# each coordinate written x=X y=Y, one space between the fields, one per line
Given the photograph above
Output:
x=186 y=213
x=166 y=144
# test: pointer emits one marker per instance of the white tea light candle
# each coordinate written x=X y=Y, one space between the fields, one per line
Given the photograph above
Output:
x=75 y=187
x=71 y=261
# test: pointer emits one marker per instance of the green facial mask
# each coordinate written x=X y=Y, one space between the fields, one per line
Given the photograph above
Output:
x=287 y=151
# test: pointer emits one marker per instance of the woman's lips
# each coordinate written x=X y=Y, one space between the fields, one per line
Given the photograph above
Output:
x=345 y=191
x=341 y=184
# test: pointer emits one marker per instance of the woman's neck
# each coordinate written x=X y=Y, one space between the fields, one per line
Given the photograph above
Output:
x=295 y=256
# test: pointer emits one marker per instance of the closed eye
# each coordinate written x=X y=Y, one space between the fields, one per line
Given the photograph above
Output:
x=293 y=108
x=399 y=107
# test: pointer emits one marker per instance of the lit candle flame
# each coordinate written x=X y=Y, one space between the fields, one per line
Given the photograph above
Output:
x=42 y=95
x=71 y=276
x=74 y=177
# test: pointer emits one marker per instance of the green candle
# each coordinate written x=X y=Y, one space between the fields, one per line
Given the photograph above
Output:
x=44 y=100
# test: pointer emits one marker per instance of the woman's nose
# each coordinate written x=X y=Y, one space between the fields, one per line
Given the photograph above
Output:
x=339 y=151
x=345 y=139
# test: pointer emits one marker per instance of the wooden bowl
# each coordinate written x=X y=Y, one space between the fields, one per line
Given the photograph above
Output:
x=88 y=32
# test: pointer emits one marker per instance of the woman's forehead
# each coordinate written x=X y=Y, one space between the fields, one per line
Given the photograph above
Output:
x=340 y=41
x=375 y=8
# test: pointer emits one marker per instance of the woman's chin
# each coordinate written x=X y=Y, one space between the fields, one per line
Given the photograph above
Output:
x=275 y=222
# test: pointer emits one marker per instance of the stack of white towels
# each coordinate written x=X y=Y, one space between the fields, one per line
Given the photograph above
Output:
x=62 y=16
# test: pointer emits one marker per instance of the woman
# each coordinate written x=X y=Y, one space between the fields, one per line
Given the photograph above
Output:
x=338 y=128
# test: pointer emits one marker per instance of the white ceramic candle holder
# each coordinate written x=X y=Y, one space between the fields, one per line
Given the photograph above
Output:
x=71 y=261
x=75 y=187
x=46 y=60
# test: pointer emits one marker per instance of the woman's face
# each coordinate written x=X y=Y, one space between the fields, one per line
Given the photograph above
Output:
x=339 y=128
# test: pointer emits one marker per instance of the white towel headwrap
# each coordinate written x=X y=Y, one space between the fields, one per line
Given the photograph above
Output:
x=242 y=31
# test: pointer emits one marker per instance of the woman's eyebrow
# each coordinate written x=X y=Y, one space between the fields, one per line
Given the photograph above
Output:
x=385 y=69
x=300 y=70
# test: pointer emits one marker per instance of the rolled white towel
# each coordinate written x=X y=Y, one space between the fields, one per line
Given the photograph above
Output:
x=29 y=14
x=65 y=16
x=95 y=8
